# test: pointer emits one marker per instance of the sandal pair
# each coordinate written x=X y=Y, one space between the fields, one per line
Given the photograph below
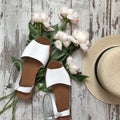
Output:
x=35 y=56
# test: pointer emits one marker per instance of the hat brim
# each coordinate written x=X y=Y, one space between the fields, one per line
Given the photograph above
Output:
x=88 y=69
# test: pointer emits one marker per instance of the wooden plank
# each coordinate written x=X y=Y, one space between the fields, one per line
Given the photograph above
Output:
x=16 y=16
x=94 y=17
x=78 y=89
x=2 y=61
x=115 y=17
x=51 y=8
x=100 y=19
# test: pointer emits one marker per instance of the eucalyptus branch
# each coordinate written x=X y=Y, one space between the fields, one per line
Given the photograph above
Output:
x=64 y=24
x=15 y=101
x=7 y=96
x=7 y=105
x=2 y=111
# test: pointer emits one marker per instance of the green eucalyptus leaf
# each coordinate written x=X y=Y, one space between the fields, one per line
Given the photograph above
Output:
x=45 y=33
x=58 y=55
x=55 y=27
x=16 y=64
x=30 y=37
x=64 y=24
x=34 y=32
x=78 y=77
x=41 y=73
x=42 y=87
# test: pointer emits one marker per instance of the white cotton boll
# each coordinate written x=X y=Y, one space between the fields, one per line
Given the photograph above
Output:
x=70 y=16
x=69 y=60
x=73 y=40
x=46 y=24
x=73 y=69
x=80 y=36
x=63 y=37
x=84 y=47
x=75 y=19
x=75 y=15
x=51 y=29
x=58 y=44
x=36 y=17
x=44 y=17
x=69 y=11
x=64 y=11
x=58 y=34
x=66 y=43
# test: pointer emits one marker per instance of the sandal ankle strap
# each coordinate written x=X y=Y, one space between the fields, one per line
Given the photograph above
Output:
x=60 y=114
x=55 y=111
x=10 y=84
x=16 y=85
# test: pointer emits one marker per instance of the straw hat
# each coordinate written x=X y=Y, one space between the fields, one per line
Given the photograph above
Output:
x=102 y=65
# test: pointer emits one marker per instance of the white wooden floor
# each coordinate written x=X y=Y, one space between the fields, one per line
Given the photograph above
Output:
x=98 y=17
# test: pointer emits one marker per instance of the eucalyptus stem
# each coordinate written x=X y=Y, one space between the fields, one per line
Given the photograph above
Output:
x=14 y=107
x=64 y=24
x=5 y=97
x=7 y=105
x=64 y=57
x=2 y=111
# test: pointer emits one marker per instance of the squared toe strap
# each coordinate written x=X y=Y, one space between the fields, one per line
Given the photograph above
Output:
x=57 y=76
x=37 y=51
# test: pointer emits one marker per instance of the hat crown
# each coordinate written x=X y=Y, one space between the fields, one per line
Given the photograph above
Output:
x=108 y=71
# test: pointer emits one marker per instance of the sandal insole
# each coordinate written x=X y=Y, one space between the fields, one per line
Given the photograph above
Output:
x=30 y=69
x=62 y=92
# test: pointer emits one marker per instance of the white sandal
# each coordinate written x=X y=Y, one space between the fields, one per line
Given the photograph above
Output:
x=54 y=114
x=53 y=76
x=36 y=54
x=56 y=71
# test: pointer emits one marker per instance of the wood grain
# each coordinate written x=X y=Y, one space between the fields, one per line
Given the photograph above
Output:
x=16 y=15
x=97 y=17
x=51 y=8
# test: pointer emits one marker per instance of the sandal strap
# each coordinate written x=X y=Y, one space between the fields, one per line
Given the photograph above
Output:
x=55 y=111
x=16 y=86
x=9 y=84
x=21 y=88
x=55 y=75
x=60 y=114
x=37 y=51
x=24 y=89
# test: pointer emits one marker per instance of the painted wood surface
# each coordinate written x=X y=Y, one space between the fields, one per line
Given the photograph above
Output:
x=98 y=17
